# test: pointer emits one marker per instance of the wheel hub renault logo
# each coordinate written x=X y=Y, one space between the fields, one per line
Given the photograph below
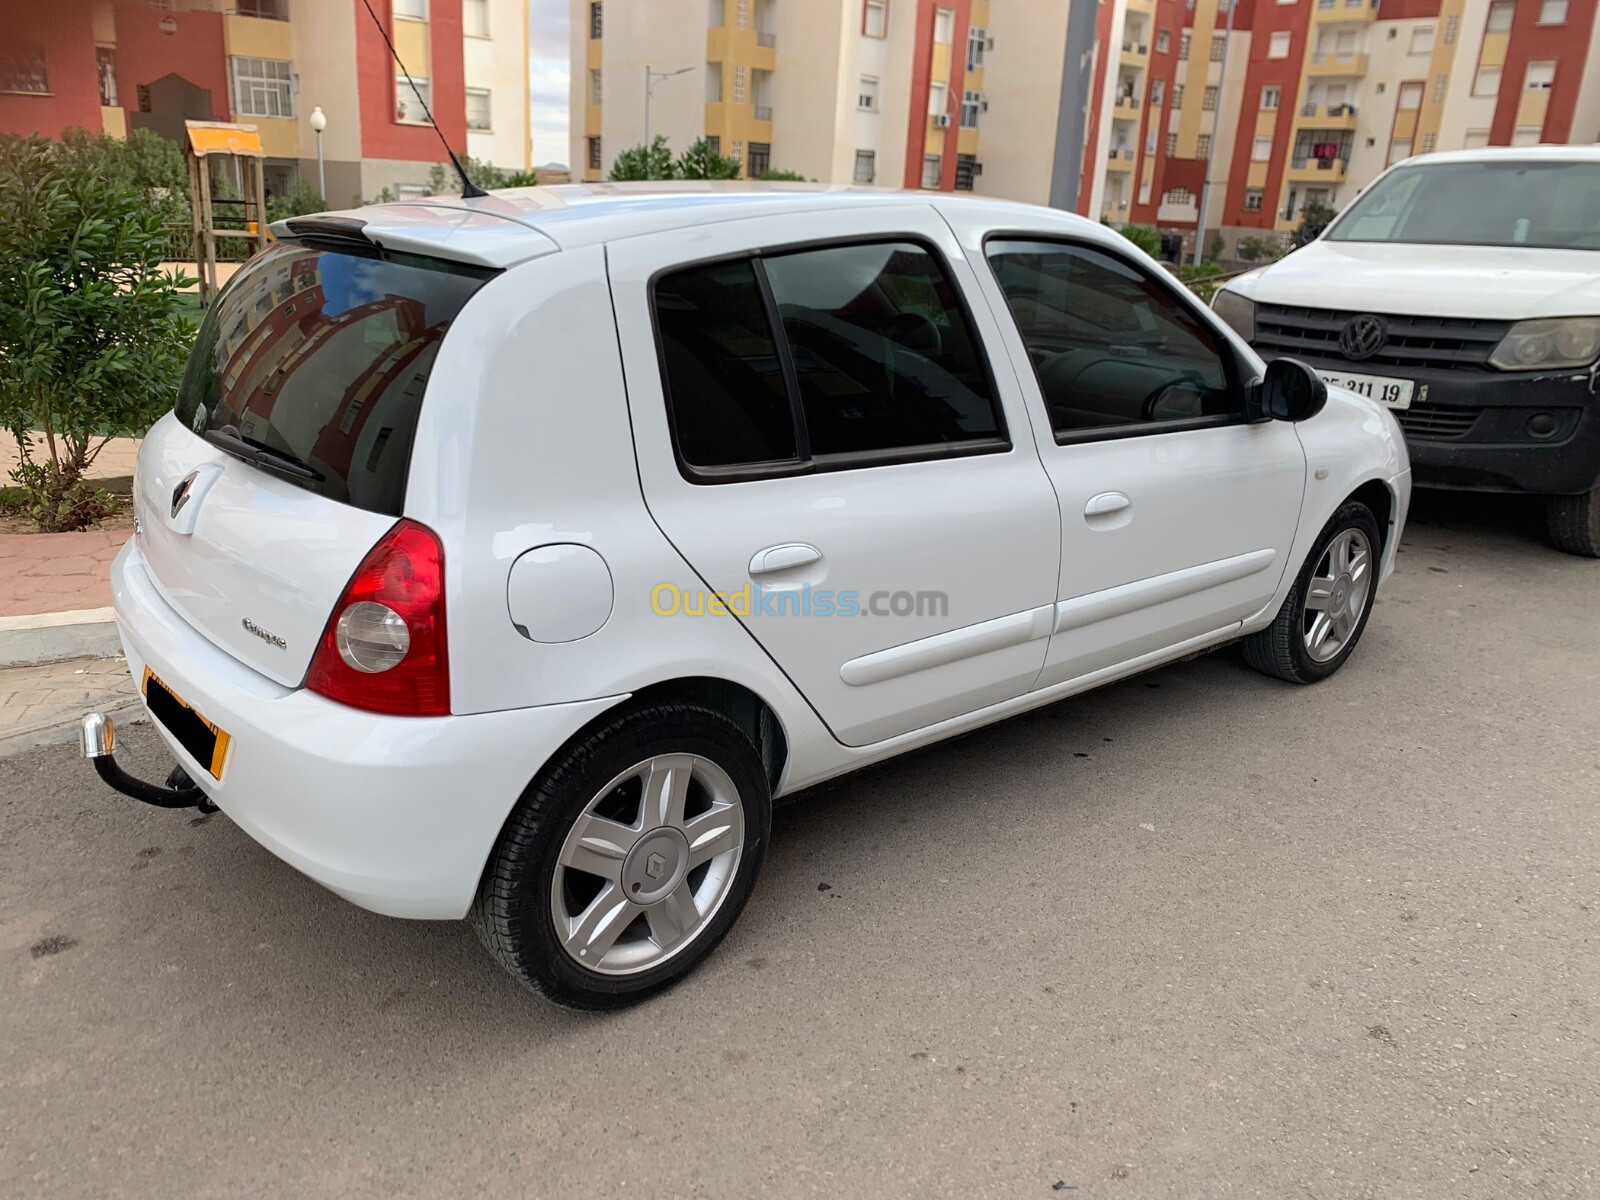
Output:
x=655 y=866
x=1363 y=336
x=180 y=494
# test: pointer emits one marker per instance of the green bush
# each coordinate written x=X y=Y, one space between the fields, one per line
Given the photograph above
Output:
x=92 y=335
x=1201 y=280
x=1314 y=218
x=1144 y=237
x=783 y=177
x=645 y=162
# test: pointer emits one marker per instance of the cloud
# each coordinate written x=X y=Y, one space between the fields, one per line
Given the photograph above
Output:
x=549 y=74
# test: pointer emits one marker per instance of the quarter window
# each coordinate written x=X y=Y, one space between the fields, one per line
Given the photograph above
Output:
x=1114 y=350
x=814 y=359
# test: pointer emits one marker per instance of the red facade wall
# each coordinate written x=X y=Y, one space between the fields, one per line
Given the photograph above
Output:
x=381 y=135
x=921 y=84
x=64 y=33
x=195 y=49
x=1262 y=71
x=1566 y=45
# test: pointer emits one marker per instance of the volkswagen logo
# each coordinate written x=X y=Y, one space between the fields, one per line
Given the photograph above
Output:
x=1363 y=336
x=180 y=494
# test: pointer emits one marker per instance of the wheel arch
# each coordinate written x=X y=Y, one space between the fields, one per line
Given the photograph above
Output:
x=1380 y=498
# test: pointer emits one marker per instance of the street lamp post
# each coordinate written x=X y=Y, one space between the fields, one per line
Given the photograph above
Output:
x=319 y=122
x=651 y=78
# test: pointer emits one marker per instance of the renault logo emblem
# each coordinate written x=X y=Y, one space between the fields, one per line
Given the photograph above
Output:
x=1363 y=336
x=655 y=866
x=180 y=494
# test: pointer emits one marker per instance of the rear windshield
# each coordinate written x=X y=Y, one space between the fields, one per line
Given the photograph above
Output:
x=1516 y=202
x=320 y=356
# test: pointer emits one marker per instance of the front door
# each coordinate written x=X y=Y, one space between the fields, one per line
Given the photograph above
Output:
x=822 y=437
x=1177 y=512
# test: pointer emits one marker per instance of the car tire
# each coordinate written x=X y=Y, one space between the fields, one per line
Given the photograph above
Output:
x=1325 y=599
x=574 y=935
x=1574 y=523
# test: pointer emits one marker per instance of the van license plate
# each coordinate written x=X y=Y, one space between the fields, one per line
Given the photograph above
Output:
x=1389 y=392
x=206 y=744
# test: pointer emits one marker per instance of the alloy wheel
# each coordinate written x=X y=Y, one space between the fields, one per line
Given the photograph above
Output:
x=1337 y=594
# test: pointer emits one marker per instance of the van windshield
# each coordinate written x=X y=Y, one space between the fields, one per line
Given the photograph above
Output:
x=1542 y=204
x=320 y=356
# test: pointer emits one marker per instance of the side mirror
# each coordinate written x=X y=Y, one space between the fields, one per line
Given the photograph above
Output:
x=1292 y=391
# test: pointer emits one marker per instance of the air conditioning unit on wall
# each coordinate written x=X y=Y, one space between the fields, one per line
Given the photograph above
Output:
x=942 y=120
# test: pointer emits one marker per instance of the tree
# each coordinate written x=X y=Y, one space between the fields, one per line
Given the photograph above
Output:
x=1256 y=249
x=783 y=176
x=1217 y=245
x=442 y=178
x=1144 y=237
x=1314 y=218
x=92 y=337
x=700 y=161
x=640 y=162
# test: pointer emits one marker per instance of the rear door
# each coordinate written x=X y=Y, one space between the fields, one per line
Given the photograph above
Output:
x=822 y=436
x=312 y=363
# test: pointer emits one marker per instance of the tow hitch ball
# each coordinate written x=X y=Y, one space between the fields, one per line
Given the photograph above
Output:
x=99 y=739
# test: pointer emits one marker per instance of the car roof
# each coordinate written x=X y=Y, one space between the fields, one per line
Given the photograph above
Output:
x=517 y=224
x=1500 y=154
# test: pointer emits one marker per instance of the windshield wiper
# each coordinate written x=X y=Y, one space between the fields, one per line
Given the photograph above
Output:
x=229 y=439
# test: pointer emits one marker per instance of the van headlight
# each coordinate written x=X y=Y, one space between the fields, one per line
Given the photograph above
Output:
x=1548 y=344
x=1237 y=312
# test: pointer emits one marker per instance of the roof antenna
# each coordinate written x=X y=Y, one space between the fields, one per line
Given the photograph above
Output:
x=469 y=190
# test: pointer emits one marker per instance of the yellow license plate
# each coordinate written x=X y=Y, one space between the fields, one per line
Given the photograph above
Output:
x=205 y=742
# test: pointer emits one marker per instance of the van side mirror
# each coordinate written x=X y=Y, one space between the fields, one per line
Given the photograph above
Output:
x=1292 y=391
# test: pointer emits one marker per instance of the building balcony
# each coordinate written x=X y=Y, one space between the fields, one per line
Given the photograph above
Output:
x=1119 y=158
x=1327 y=171
x=763 y=112
x=1126 y=108
x=1328 y=12
x=1135 y=54
x=1330 y=116
x=1325 y=63
x=766 y=39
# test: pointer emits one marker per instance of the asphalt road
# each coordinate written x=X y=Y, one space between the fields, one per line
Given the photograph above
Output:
x=1200 y=934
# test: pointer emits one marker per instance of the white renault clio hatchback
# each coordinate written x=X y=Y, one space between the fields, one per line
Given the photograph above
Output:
x=505 y=558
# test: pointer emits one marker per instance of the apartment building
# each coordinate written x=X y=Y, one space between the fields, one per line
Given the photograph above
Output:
x=1277 y=104
x=115 y=65
x=899 y=93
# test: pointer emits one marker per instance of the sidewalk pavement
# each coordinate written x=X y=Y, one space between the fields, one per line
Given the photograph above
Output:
x=42 y=704
x=55 y=590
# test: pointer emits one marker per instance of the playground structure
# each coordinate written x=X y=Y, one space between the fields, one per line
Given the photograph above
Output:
x=241 y=146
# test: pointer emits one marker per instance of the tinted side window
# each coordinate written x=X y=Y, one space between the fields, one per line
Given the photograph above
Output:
x=883 y=353
x=724 y=377
x=1113 y=349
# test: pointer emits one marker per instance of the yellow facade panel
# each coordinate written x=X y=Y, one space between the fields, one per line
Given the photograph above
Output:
x=1493 y=53
x=114 y=121
x=253 y=37
x=1405 y=125
x=940 y=67
x=967 y=142
x=1256 y=177
x=1531 y=108
x=280 y=136
x=410 y=40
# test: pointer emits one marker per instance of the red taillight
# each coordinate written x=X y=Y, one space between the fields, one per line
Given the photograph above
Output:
x=384 y=647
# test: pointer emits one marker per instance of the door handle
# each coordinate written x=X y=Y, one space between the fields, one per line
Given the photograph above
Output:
x=1105 y=504
x=782 y=558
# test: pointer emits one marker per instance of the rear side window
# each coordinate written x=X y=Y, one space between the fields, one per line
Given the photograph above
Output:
x=1115 y=350
x=821 y=359
x=322 y=355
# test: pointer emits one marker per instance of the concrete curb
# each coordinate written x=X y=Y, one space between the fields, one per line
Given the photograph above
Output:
x=55 y=732
x=51 y=637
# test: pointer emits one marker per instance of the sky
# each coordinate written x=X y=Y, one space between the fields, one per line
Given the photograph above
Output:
x=547 y=85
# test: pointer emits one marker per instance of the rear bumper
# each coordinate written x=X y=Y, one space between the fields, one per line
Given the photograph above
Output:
x=1489 y=431
x=396 y=814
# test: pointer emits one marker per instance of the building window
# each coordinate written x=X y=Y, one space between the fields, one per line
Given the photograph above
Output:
x=1150 y=140
x=760 y=159
x=23 y=70
x=262 y=87
x=867 y=96
x=714 y=83
x=944 y=26
x=966 y=171
x=1262 y=150
x=1410 y=97
x=714 y=143
x=932 y=169
x=597 y=88
x=716 y=17
x=1158 y=91
x=1172 y=144
x=977 y=42
x=596 y=19
x=1144 y=190
x=971 y=106
x=105 y=61
x=1252 y=199
x=1452 y=27
x=267 y=10
x=1475 y=139
x=741 y=85
x=1486 y=82
x=1526 y=135
x=875 y=19
x=413 y=99
x=1271 y=97
x=741 y=14
x=411 y=10
x=1278 y=46
x=1500 y=14
x=1163 y=41
x=1553 y=12
x=1440 y=83
x=1399 y=149
x=1422 y=40
x=1208 y=100
x=1429 y=140
x=1177 y=96
x=594 y=153
x=1218 y=41
x=475 y=18
x=1540 y=76
x=479 y=114
x=1202 y=146
x=1183 y=44
x=938 y=99
x=866 y=166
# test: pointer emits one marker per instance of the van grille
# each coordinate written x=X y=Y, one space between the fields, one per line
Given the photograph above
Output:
x=1441 y=343
x=1438 y=424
